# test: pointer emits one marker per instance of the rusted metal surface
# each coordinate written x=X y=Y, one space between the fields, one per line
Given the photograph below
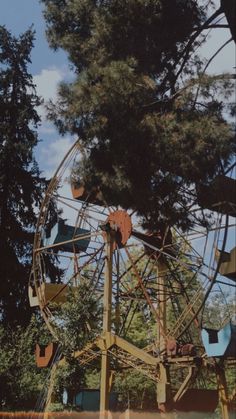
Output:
x=80 y=192
x=120 y=222
x=171 y=347
x=187 y=349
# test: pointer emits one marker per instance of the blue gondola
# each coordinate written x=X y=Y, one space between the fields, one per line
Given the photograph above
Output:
x=62 y=233
x=220 y=343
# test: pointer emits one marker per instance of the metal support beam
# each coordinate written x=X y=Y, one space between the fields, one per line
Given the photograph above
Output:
x=117 y=307
x=50 y=391
x=222 y=390
x=185 y=384
x=134 y=351
x=105 y=363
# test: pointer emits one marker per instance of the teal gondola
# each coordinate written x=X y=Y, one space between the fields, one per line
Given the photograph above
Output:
x=62 y=234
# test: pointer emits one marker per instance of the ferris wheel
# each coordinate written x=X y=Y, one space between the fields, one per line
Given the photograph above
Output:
x=164 y=277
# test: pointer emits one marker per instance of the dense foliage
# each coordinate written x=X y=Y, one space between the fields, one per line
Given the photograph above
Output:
x=151 y=122
x=21 y=382
x=20 y=183
x=81 y=317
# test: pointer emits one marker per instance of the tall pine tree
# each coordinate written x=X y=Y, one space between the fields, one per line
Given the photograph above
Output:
x=151 y=122
x=20 y=183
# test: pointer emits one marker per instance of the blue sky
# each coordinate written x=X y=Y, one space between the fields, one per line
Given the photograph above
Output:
x=19 y=15
x=49 y=68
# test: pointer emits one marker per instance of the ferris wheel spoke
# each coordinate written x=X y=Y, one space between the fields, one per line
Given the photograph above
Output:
x=161 y=251
x=75 y=240
x=129 y=269
x=60 y=200
x=92 y=257
x=186 y=243
x=139 y=279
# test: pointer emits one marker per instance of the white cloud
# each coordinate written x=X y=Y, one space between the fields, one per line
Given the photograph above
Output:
x=47 y=82
x=51 y=149
x=53 y=153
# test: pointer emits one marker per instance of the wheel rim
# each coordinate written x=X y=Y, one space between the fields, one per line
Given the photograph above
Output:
x=135 y=275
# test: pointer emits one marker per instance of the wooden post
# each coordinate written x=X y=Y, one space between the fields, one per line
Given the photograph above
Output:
x=107 y=301
x=163 y=389
x=222 y=390
x=163 y=386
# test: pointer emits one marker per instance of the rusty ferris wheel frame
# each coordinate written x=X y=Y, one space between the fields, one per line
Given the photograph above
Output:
x=126 y=266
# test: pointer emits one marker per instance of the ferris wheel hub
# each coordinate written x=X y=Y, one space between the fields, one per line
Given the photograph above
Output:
x=120 y=222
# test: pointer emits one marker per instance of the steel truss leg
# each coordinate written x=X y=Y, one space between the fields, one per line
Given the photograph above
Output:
x=50 y=391
x=105 y=364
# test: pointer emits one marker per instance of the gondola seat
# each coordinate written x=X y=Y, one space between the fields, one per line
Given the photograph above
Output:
x=55 y=293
